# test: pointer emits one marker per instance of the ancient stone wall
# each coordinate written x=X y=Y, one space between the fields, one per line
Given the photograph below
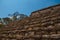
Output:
x=41 y=25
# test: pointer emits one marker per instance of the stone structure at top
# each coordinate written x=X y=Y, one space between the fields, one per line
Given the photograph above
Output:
x=41 y=25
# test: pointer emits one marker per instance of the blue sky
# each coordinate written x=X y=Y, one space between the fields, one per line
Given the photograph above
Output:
x=24 y=6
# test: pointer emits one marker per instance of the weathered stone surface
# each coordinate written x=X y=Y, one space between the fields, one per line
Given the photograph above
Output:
x=41 y=25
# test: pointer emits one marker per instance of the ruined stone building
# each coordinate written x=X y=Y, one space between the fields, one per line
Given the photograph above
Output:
x=42 y=24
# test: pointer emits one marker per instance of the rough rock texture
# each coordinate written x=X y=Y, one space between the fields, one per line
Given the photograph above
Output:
x=41 y=25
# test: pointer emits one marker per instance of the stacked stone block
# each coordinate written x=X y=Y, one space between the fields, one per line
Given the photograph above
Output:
x=41 y=25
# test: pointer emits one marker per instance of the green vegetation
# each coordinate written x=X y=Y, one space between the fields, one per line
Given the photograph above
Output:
x=1 y=25
x=12 y=17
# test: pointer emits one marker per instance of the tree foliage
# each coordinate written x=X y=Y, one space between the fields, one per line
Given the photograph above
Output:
x=13 y=17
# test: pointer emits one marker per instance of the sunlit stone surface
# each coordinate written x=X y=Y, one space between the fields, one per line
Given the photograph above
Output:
x=41 y=25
